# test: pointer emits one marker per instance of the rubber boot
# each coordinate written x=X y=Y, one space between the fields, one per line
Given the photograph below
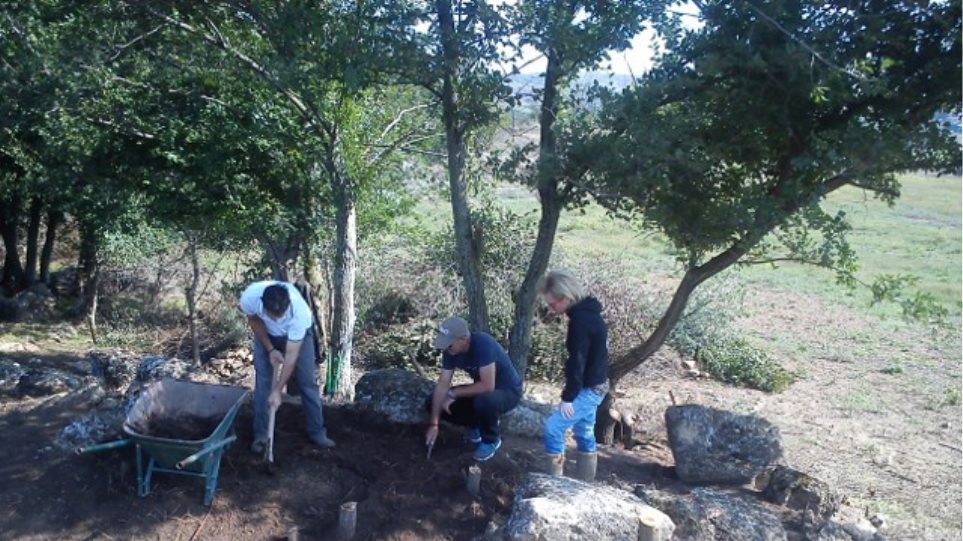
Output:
x=585 y=466
x=554 y=463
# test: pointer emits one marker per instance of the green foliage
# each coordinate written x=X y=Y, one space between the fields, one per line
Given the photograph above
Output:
x=404 y=345
x=547 y=355
x=392 y=307
x=918 y=305
x=126 y=248
x=703 y=152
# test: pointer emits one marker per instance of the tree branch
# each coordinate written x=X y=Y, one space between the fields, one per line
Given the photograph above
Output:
x=122 y=48
x=397 y=119
x=305 y=110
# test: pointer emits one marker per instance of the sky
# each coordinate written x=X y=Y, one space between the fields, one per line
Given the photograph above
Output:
x=635 y=60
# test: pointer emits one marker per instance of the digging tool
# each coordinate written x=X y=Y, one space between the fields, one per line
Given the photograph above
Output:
x=272 y=414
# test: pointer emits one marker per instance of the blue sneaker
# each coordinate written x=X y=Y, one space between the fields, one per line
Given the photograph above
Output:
x=487 y=450
x=472 y=436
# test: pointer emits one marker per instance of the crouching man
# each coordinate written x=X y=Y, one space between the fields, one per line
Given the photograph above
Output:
x=281 y=321
x=496 y=387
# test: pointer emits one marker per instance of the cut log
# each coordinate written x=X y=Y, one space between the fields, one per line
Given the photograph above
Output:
x=347 y=520
x=473 y=480
x=655 y=526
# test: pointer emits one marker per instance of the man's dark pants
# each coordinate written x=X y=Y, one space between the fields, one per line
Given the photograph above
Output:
x=480 y=411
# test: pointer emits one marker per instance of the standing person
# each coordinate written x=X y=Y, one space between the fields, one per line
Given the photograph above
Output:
x=586 y=370
x=281 y=321
x=496 y=387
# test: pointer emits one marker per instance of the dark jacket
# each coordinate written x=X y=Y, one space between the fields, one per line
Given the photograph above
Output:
x=588 y=348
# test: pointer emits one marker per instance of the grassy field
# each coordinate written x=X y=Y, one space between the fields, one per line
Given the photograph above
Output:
x=919 y=235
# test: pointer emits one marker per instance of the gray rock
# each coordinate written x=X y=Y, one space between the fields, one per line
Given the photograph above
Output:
x=104 y=424
x=117 y=368
x=33 y=303
x=835 y=531
x=10 y=374
x=712 y=446
x=802 y=492
x=48 y=382
x=527 y=419
x=400 y=396
x=397 y=394
x=156 y=367
x=550 y=508
x=710 y=515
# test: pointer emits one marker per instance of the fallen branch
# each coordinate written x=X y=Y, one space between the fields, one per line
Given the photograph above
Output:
x=201 y=525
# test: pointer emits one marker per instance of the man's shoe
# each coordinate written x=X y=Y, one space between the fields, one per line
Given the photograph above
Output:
x=472 y=436
x=258 y=447
x=487 y=450
x=322 y=440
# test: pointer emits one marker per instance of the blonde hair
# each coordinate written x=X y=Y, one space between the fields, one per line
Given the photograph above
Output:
x=561 y=285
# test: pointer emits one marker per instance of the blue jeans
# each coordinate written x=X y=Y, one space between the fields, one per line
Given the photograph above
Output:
x=304 y=377
x=582 y=424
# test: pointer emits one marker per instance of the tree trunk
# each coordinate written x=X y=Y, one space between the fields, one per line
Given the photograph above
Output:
x=92 y=313
x=469 y=263
x=315 y=291
x=9 y=222
x=29 y=277
x=276 y=258
x=605 y=424
x=54 y=218
x=521 y=336
x=191 y=294
x=87 y=267
x=345 y=264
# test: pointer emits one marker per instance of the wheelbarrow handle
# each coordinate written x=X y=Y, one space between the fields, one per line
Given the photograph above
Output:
x=103 y=446
x=205 y=451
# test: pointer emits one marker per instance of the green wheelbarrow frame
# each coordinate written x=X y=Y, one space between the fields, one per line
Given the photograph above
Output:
x=199 y=458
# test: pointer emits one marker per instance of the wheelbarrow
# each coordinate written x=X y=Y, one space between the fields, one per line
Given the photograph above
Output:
x=182 y=428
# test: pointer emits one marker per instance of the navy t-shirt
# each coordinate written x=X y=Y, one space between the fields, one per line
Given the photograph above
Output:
x=483 y=351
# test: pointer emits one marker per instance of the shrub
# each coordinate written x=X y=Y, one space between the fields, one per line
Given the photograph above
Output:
x=403 y=345
x=705 y=334
x=733 y=360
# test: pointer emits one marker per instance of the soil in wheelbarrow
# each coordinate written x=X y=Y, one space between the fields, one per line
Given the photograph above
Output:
x=401 y=494
x=181 y=427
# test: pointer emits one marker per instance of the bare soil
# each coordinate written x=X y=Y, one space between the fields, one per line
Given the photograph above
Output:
x=876 y=414
x=401 y=494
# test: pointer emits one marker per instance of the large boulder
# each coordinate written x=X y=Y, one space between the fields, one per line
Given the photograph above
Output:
x=710 y=515
x=549 y=508
x=397 y=394
x=400 y=396
x=32 y=304
x=712 y=446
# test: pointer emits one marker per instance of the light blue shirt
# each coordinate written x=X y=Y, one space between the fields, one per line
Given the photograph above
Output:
x=296 y=320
